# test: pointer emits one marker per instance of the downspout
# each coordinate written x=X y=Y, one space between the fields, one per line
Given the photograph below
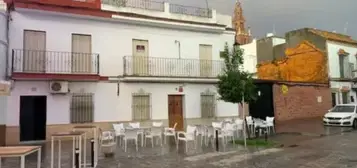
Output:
x=7 y=55
x=179 y=48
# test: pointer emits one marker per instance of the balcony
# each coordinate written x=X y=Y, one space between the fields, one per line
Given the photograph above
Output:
x=161 y=10
x=36 y=64
x=135 y=66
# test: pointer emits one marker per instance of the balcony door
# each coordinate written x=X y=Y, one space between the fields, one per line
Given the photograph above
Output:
x=81 y=54
x=205 y=60
x=34 y=53
x=140 y=57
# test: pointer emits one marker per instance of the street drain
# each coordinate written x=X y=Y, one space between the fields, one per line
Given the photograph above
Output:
x=293 y=146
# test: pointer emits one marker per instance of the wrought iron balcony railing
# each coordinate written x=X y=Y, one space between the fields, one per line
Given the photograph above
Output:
x=54 y=62
x=137 y=66
x=189 y=10
x=140 y=4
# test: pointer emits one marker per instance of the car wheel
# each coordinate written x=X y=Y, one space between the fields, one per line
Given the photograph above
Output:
x=354 y=124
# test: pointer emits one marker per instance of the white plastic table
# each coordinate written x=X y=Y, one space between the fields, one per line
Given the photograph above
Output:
x=94 y=130
x=22 y=152
x=77 y=142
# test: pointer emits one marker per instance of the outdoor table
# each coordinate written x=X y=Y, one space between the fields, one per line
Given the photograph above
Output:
x=22 y=152
x=77 y=142
x=143 y=129
x=94 y=130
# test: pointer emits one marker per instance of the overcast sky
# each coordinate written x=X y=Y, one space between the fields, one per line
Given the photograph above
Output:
x=261 y=15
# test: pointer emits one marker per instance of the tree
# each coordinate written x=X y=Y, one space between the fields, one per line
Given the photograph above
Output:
x=235 y=85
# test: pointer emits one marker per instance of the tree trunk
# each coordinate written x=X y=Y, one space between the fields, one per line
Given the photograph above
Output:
x=247 y=131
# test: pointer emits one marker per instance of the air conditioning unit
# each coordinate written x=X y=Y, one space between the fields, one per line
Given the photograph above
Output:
x=58 y=87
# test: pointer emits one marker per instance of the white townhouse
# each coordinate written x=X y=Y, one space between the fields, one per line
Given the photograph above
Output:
x=108 y=61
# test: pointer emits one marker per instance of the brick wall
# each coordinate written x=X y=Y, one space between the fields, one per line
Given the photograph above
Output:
x=301 y=101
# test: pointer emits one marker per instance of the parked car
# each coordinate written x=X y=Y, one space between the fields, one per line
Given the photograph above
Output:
x=342 y=115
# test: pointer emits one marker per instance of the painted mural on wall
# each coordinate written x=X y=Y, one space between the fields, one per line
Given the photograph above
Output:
x=304 y=63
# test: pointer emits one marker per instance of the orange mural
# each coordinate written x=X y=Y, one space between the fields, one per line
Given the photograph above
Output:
x=305 y=63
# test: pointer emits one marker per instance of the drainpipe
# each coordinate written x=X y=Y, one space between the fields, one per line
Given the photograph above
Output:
x=179 y=48
x=7 y=55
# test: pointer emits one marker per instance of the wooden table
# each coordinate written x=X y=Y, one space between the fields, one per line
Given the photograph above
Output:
x=95 y=131
x=77 y=143
x=22 y=152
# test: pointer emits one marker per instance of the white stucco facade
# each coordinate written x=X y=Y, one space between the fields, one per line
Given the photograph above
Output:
x=112 y=40
x=334 y=70
x=250 y=56
x=3 y=45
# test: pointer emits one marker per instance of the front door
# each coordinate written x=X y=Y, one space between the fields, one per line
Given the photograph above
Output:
x=205 y=60
x=176 y=112
x=33 y=118
x=81 y=54
x=34 y=53
x=140 y=57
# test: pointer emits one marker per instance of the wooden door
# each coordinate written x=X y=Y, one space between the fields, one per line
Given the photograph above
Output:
x=81 y=54
x=176 y=112
x=205 y=60
x=140 y=57
x=34 y=53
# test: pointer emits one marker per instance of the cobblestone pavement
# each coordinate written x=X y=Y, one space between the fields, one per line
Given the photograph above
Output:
x=335 y=151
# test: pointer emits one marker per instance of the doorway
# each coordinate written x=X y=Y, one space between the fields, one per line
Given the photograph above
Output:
x=176 y=111
x=33 y=110
x=264 y=105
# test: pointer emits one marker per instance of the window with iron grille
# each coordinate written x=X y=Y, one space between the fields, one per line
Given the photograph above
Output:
x=208 y=105
x=82 y=108
x=141 y=106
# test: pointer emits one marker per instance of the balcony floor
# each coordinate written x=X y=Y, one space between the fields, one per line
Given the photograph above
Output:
x=55 y=76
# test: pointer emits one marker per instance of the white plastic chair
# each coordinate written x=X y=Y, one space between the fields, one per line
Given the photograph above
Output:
x=119 y=131
x=107 y=141
x=130 y=134
x=154 y=132
x=239 y=127
x=157 y=124
x=228 y=131
x=270 y=124
x=201 y=131
x=211 y=135
x=140 y=132
x=217 y=125
x=250 y=123
x=189 y=135
x=170 y=132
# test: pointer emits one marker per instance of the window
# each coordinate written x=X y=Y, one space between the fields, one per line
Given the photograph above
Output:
x=141 y=106
x=208 y=105
x=82 y=108
x=140 y=48
x=333 y=95
x=350 y=70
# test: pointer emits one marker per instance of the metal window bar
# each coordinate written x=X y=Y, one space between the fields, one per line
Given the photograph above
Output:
x=141 y=107
x=82 y=108
x=190 y=10
x=208 y=105
x=140 y=4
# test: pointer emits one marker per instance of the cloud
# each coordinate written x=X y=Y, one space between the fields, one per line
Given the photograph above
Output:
x=287 y=15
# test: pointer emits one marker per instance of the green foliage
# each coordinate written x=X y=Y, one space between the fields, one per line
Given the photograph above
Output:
x=235 y=82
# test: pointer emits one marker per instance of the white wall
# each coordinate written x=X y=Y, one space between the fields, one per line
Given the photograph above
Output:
x=108 y=106
x=3 y=42
x=277 y=41
x=250 y=56
x=3 y=99
x=333 y=58
x=113 y=40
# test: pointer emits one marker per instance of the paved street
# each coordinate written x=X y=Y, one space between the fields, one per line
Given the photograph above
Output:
x=335 y=151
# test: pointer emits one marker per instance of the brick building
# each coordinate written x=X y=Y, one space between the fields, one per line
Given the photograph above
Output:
x=290 y=100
